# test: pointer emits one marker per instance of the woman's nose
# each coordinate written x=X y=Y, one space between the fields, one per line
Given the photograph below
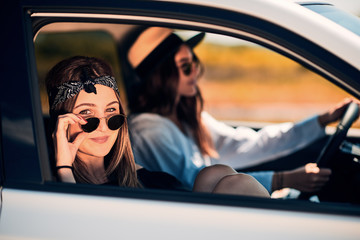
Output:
x=103 y=125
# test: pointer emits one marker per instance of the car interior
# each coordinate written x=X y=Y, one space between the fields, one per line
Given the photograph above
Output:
x=263 y=101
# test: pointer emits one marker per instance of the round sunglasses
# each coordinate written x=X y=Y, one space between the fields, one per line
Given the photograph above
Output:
x=187 y=68
x=114 y=122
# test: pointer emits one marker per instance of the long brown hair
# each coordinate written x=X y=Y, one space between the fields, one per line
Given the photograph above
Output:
x=120 y=160
x=157 y=94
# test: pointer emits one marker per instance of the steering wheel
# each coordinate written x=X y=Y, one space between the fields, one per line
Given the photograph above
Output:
x=334 y=142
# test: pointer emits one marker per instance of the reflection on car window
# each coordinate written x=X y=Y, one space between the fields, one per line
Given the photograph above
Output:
x=346 y=20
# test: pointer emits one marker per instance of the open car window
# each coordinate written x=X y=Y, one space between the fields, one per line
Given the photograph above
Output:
x=244 y=83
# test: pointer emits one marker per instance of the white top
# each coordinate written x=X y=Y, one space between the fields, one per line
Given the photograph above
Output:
x=159 y=145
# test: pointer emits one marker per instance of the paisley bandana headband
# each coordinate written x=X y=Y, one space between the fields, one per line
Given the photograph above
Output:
x=70 y=89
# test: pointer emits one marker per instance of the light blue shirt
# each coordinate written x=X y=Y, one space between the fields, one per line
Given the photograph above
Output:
x=159 y=145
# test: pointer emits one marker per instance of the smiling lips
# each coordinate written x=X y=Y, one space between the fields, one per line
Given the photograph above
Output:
x=100 y=140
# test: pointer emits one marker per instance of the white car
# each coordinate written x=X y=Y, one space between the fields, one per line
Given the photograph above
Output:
x=321 y=39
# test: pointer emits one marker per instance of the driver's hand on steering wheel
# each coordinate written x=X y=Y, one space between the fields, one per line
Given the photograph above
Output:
x=335 y=113
x=308 y=178
x=311 y=178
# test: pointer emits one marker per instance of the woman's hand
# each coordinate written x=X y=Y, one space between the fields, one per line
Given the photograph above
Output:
x=65 y=150
x=335 y=113
x=308 y=178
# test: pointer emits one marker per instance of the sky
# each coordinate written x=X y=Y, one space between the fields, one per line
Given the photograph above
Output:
x=352 y=6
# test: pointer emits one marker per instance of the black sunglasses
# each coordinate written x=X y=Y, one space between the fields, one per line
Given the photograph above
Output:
x=187 y=68
x=114 y=122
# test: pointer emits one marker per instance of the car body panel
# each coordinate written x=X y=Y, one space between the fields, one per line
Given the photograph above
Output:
x=35 y=207
x=73 y=216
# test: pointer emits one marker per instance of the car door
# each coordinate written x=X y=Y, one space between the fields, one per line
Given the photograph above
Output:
x=35 y=206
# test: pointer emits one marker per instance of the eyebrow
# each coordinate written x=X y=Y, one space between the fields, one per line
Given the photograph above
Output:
x=93 y=105
x=113 y=102
x=85 y=104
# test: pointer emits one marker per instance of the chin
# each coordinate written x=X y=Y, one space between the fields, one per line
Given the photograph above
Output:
x=95 y=150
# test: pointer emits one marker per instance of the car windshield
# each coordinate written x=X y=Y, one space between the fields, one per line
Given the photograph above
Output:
x=342 y=18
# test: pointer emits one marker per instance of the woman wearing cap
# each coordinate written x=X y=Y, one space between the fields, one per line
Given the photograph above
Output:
x=90 y=136
x=171 y=132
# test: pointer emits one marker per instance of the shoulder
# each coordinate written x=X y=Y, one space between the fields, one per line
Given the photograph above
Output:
x=149 y=122
x=207 y=118
x=145 y=120
x=213 y=124
x=152 y=126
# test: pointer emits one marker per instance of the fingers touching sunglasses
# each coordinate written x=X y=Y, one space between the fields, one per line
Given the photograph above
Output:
x=114 y=122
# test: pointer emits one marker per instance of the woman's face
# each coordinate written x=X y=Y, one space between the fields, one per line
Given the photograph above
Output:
x=187 y=83
x=100 y=105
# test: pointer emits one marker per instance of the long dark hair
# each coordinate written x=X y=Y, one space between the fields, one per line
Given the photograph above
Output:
x=120 y=160
x=157 y=94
